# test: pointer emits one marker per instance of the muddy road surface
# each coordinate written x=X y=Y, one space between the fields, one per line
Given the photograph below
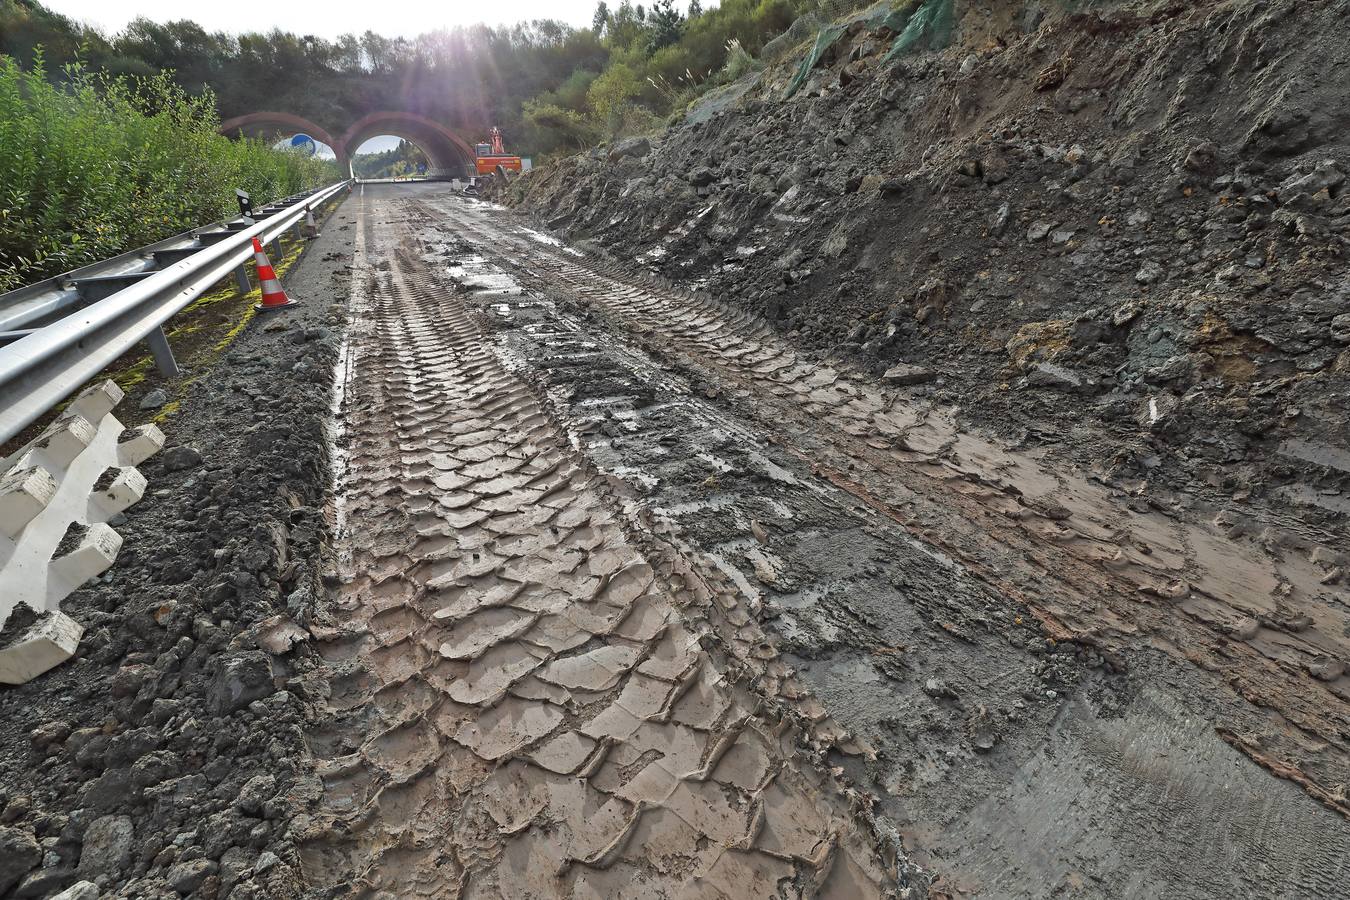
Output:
x=634 y=599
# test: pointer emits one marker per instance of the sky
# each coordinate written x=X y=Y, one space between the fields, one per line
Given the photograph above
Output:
x=325 y=18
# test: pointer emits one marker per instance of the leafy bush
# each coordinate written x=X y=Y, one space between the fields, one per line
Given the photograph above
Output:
x=98 y=165
x=610 y=93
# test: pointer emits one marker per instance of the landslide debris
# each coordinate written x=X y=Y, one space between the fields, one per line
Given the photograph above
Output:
x=1121 y=223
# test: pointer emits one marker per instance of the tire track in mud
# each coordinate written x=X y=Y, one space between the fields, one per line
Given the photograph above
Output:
x=1258 y=602
x=1127 y=790
x=521 y=705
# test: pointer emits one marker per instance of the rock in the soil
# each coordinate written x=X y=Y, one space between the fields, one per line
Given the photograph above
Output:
x=240 y=680
x=1340 y=328
x=255 y=792
x=1053 y=376
x=701 y=177
x=180 y=459
x=19 y=854
x=1324 y=177
x=154 y=400
x=186 y=877
x=938 y=689
x=107 y=847
x=1202 y=157
x=904 y=374
x=80 y=890
x=999 y=223
x=982 y=730
x=1148 y=273
x=637 y=148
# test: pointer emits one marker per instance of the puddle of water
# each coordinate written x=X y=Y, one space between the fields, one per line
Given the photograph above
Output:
x=481 y=277
x=635 y=476
x=338 y=455
x=541 y=237
x=550 y=240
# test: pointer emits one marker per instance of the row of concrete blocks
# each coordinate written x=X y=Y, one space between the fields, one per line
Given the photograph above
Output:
x=57 y=494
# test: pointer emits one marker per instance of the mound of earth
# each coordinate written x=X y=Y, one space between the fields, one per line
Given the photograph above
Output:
x=1117 y=229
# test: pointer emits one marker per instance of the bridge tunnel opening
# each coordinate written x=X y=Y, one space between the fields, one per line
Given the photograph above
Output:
x=431 y=149
x=390 y=157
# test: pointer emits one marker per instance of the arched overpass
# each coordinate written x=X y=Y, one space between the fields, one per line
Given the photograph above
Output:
x=447 y=152
x=265 y=125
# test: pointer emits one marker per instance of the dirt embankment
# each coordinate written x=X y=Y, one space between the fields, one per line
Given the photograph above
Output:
x=165 y=759
x=1118 y=232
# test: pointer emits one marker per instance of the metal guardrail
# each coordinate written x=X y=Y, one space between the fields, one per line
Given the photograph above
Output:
x=126 y=299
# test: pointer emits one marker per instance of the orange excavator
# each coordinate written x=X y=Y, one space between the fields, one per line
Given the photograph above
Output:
x=492 y=157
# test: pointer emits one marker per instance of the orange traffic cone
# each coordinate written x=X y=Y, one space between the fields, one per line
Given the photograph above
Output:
x=273 y=297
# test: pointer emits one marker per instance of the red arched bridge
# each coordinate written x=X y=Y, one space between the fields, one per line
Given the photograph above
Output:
x=446 y=151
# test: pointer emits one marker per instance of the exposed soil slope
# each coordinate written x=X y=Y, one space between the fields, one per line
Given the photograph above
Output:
x=1119 y=232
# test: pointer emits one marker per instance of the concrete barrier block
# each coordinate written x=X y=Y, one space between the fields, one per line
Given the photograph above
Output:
x=85 y=551
x=115 y=490
x=45 y=644
x=96 y=401
x=23 y=494
x=138 y=444
x=62 y=441
x=56 y=495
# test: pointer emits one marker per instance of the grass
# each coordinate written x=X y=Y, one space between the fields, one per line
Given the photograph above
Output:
x=94 y=165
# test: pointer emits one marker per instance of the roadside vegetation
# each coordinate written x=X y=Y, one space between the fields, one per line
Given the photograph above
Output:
x=551 y=87
x=396 y=162
x=92 y=165
x=108 y=142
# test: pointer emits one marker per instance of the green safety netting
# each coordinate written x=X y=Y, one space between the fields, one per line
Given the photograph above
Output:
x=927 y=23
x=930 y=26
x=824 y=41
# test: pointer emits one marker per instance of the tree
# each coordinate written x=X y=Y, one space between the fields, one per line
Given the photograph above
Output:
x=653 y=60
x=664 y=25
x=601 y=20
x=610 y=93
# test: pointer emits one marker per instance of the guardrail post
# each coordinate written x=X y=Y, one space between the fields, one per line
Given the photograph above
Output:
x=241 y=276
x=163 y=353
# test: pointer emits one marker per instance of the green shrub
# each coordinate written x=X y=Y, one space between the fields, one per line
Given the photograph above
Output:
x=98 y=165
x=738 y=61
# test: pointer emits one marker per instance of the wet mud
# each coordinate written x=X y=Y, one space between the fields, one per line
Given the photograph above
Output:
x=524 y=699
x=632 y=599
x=1045 y=684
